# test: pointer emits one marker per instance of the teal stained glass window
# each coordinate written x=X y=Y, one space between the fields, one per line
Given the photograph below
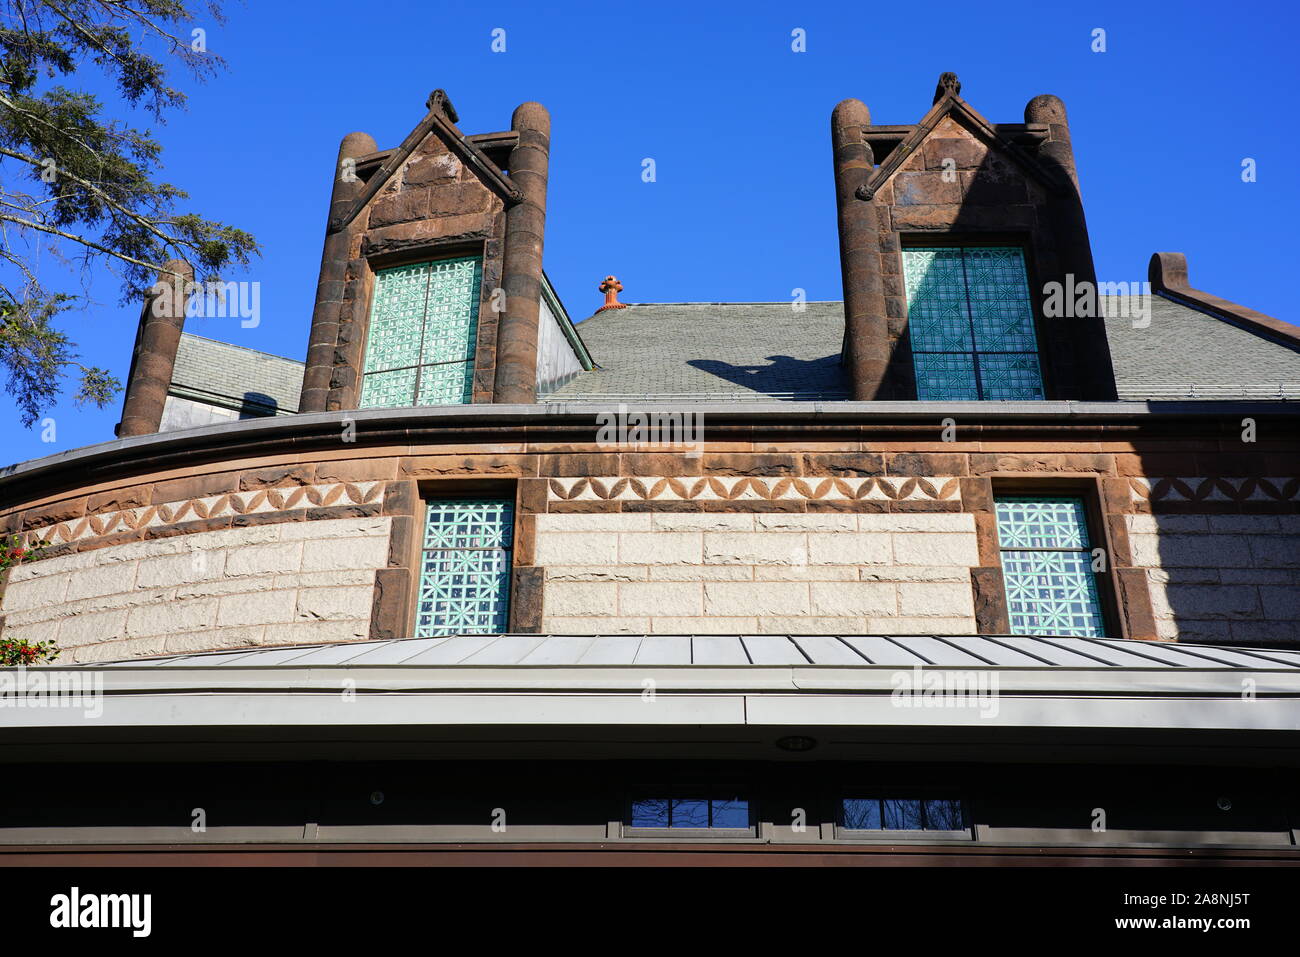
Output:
x=465 y=568
x=971 y=323
x=1047 y=567
x=423 y=328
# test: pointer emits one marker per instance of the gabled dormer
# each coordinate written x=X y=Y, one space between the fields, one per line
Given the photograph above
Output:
x=951 y=231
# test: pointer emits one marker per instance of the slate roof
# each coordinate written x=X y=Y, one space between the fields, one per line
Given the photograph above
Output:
x=235 y=377
x=742 y=350
x=857 y=651
x=739 y=351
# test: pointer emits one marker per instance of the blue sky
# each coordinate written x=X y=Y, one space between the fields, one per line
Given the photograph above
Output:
x=737 y=123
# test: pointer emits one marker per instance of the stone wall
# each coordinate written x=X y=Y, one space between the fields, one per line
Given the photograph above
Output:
x=274 y=584
x=717 y=573
x=1221 y=578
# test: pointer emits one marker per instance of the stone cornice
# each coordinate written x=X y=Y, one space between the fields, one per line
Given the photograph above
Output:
x=577 y=422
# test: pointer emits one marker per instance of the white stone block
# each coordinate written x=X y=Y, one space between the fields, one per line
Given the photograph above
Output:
x=755 y=548
x=577 y=548
x=681 y=599
x=335 y=604
x=745 y=599
x=100 y=580
x=171 y=617
x=935 y=600
x=258 y=608
x=276 y=558
x=807 y=521
x=594 y=522
x=660 y=548
x=351 y=552
x=936 y=548
x=848 y=548
x=581 y=599
x=703 y=626
x=853 y=599
x=703 y=521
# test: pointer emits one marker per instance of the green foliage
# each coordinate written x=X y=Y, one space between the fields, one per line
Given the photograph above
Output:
x=72 y=176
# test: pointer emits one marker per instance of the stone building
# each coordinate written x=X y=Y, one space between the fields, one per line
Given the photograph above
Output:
x=671 y=580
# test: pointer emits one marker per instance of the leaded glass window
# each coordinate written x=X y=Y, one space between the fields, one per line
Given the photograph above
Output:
x=1047 y=567
x=971 y=323
x=423 y=329
x=696 y=812
x=465 y=568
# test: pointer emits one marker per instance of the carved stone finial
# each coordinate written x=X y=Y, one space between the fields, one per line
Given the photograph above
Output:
x=439 y=100
x=611 y=287
x=948 y=83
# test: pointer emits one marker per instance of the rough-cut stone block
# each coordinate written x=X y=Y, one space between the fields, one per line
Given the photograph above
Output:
x=703 y=521
x=103 y=580
x=916 y=522
x=91 y=628
x=806 y=573
x=582 y=599
x=853 y=599
x=754 y=548
x=660 y=548
x=351 y=553
x=935 y=600
x=272 y=559
x=36 y=593
x=682 y=599
x=805 y=522
x=171 y=617
x=259 y=608
x=335 y=604
x=576 y=548
x=848 y=548
x=808 y=625
x=937 y=548
x=594 y=522
x=740 y=599
x=187 y=568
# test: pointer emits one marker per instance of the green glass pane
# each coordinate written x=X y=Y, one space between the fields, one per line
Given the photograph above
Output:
x=387 y=389
x=451 y=315
x=465 y=568
x=971 y=324
x=1037 y=522
x=469 y=523
x=397 y=318
x=449 y=384
x=940 y=376
x=1052 y=593
x=1010 y=376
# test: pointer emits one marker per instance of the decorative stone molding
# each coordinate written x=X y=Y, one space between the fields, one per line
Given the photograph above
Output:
x=258 y=502
x=743 y=488
x=1215 y=489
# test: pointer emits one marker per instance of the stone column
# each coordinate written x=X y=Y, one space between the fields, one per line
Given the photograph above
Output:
x=333 y=269
x=154 y=360
x=866 y=338
x=516 y=369
x=1093 y=373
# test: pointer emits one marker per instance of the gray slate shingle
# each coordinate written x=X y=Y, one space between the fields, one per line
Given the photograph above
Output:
x=757 y=350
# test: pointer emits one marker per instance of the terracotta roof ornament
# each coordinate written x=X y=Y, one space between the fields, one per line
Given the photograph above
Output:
x=611 y=287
